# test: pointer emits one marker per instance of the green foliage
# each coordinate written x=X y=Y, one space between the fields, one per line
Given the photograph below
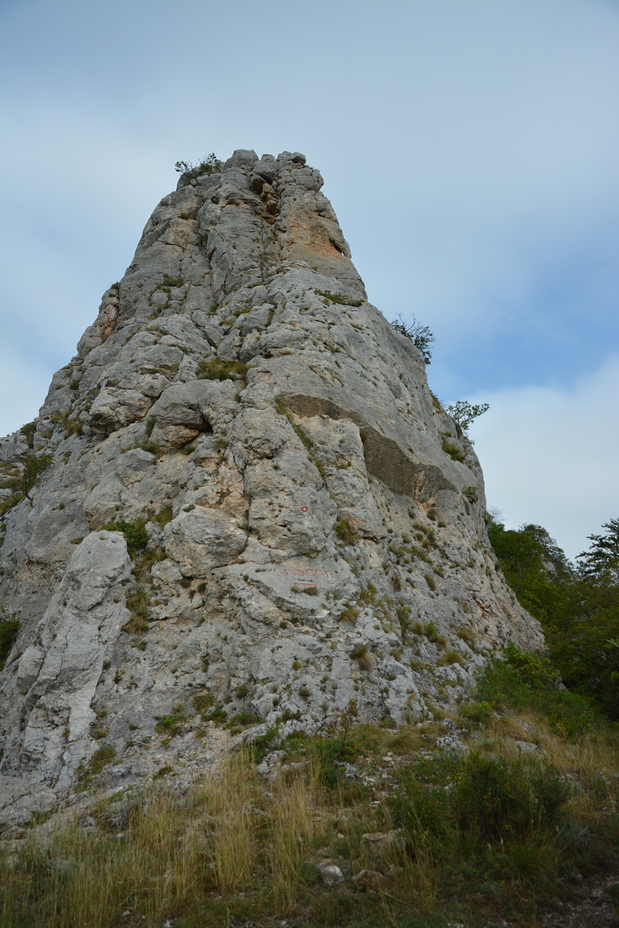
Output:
x=520 y=680
x=243 y=719
x=10 y=502
x=349 y=614
x=330 y=753
x=420 y=335
x=601 y=562
x=463 y=413
x=203 y=701
x=486 y=837
x=103 y=756
x=478 y=818
x=134 y=532
x=430 y=581
x=169 y=282
x=164 y=515
x=577 y=606
x=363 y=656
x=453 y=451
x=33 y=466
x=138 y=605
x=217 y=715
x=9 y=628
x=471 y=494
x=216 y=369
x=344 y=532
x=497 y=798
x=28 y=431
x=189 y=171
x=172 y=724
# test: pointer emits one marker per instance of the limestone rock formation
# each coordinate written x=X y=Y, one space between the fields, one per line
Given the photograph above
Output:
x=254 y=497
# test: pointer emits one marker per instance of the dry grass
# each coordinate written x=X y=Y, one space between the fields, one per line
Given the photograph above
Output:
x=232 y=844
x=293 y=827
x=237 y=840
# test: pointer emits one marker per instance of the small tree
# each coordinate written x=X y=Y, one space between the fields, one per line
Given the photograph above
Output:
x=601 y=561
x=32 y=468
x=420 y=335
x=464 y=413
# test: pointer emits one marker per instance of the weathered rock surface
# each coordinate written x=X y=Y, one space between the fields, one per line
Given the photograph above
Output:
x=266 y=443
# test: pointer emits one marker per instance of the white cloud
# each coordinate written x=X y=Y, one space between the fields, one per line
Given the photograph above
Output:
x=550 y=455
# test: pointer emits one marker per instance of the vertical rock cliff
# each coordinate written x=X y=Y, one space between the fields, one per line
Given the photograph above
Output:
x=253 y=497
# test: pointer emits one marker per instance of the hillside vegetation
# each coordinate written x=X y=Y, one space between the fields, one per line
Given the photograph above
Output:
x=577 y=605
x=503 y=811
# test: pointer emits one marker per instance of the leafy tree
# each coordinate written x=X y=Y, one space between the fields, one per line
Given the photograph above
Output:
x=420 y=335
x=33 y=466
x=602 y=560
x=578 y=606
x=463 y=413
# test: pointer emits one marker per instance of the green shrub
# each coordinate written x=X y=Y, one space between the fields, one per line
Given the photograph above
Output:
x=103 y=756
x=330 y=753
x=28 y=431
x=364 y=657
x=135 y=534
x=171 y=724
x=242 y=720
x=349 y=614
x=216 y=369
x=203 y=701
x=476 y=712
x=189 y=171
x=367 y=594
x=453 y=451
x=138 y=605
x=578 y=607
x=520 y=680
x=496 y=798
x=33 y=465
x=420 y=335
x=344 y=532
x=10 y=502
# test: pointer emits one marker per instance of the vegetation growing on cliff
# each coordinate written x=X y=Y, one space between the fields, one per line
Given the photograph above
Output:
x=420 y=335
x=506 y=821
x=189 y=171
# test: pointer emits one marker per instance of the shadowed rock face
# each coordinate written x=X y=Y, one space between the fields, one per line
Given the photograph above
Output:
x=311 y=548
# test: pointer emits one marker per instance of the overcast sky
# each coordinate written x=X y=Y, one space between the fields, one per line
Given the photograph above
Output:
x=470 y=149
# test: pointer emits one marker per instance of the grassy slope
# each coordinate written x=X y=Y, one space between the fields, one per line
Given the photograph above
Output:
x=500 y=830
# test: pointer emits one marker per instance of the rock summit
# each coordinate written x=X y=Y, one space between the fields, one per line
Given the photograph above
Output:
x=253 y=507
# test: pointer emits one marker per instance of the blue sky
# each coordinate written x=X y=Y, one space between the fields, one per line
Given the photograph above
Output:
x=470 y=150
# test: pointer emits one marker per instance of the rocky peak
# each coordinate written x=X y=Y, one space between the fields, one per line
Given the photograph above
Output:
x=254 y=502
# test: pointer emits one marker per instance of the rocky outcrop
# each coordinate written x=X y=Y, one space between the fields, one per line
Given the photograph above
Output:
x=254 y=497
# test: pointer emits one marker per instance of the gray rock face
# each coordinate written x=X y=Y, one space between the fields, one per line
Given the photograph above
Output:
x=295 y=527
